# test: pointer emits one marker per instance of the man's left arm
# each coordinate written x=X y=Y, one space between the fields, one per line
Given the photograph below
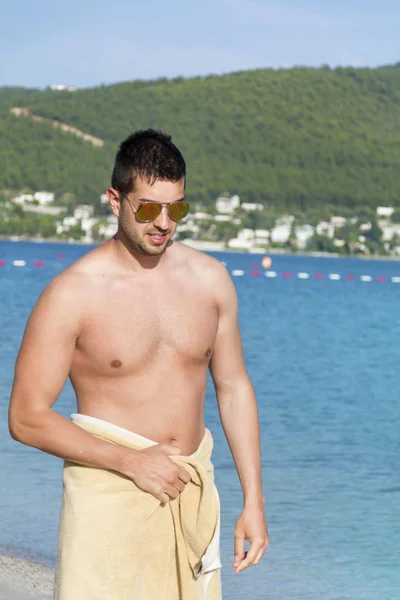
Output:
x=239 y=417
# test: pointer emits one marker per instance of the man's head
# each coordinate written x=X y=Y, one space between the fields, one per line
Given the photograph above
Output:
x=148 y=167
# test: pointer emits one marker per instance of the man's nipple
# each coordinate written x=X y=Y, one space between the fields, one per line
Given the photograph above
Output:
x=116 y=363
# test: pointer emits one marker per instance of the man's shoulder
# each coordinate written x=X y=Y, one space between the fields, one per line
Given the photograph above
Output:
x=201 y=262
x=74 y=280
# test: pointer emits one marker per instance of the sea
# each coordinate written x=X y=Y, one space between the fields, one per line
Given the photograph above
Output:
x=323 y=352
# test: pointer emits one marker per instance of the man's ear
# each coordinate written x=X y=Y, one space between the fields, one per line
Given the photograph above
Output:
x=114 y=200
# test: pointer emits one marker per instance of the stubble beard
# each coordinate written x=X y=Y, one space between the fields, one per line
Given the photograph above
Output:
x=137 y=243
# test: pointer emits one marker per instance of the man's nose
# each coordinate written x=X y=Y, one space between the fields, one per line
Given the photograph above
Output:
x=163 y=221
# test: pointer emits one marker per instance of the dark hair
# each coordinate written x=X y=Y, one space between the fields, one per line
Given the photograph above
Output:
x=149 y=154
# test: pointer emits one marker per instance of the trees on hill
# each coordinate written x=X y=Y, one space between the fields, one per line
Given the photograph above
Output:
x=297 y=139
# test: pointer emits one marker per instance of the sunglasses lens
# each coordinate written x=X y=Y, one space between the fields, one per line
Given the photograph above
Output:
x=148 y=211
x=178 y=210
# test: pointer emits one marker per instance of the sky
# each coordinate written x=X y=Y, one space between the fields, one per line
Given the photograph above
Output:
x=86 y=43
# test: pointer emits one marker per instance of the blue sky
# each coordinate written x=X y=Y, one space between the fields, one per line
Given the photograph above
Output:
x=89 y=42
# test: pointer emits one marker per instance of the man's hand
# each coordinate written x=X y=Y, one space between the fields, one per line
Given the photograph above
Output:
x=250 y=526
x=153 y=471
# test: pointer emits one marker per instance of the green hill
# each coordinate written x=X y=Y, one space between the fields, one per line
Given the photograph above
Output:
x=297 y=139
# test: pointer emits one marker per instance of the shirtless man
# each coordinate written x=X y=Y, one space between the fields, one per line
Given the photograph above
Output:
x=136 y=323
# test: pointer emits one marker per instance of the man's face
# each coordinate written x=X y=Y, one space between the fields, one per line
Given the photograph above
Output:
x=151 y=238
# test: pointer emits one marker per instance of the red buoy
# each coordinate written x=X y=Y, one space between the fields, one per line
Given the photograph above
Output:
x=60 y=256
x=350 y=277
x=38 y=263
x=254 y=273
x=2 y=262
x=318 y=276
x=286 y=275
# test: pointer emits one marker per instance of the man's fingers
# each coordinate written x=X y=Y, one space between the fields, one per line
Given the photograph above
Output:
x=184 y=475
x=238 y=548
x=238 y=560
x=179 y=485
x=164 y=498
x=260 y=554
x=252 y=554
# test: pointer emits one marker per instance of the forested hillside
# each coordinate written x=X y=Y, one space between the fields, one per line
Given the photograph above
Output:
x=296 y=139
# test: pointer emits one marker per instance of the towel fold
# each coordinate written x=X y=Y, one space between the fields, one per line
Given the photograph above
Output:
x=117 y=542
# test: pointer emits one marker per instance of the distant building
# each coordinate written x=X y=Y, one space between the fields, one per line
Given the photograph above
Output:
x=86 y=225
x=69 y=222
x=246 y=234
x=303 y=233
x=384 y=212
x=240 y=244
x=226 y=218
x=262 y=234
x=251 y=206
x=281 y=232
x=84 y=211
x=61 y=87
x=188 y=226
x=22 y=198
x=227 y=204
x=202 y=216
x=43 y=209
x=390 y=231
x=285 y=220
x=339 y=243
x=244 y=241
x=325 y=228
x=44 y=197
x=109 y=230
x=338 y=222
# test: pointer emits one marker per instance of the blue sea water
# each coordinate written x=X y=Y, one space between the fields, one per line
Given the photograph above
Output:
x=324 y=359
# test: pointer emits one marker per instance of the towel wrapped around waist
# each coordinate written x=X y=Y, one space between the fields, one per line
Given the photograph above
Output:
x=117 y=542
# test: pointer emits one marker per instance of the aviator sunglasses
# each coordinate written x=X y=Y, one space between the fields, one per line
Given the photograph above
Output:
x=149 y=210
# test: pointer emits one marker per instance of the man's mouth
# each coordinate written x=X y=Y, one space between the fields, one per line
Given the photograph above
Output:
x=158 y=238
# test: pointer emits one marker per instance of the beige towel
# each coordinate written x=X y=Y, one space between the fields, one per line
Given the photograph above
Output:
x=118 y=542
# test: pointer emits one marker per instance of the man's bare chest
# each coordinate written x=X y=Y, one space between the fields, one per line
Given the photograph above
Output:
x=126 y=335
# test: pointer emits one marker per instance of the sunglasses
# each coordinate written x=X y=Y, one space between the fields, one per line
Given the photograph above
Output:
x=148 y=211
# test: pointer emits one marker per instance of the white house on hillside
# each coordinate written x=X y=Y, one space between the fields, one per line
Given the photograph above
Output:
x=84 y=211
x=390 y=231
x=227 y=205
x=338 y=222
x=22 y=198
x=61 y=87
x=251 y=206
x=226 y=218
x=303 y=234
x=44 y=197
x=281 y=232
x=325 y=228
x=384 y=212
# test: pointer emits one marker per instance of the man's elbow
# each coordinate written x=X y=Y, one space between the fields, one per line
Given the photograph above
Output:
x=19 y=426
x=15 y=427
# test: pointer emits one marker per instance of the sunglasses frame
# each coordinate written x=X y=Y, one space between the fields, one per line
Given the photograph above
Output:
x=158 y=204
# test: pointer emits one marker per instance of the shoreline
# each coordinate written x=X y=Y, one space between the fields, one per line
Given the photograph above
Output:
x=203 y=246
x=22 y=579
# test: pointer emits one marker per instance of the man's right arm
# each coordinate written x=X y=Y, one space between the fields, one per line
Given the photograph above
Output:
x=42 y=367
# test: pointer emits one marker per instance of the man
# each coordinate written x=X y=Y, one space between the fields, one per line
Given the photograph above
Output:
x=135 y=324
